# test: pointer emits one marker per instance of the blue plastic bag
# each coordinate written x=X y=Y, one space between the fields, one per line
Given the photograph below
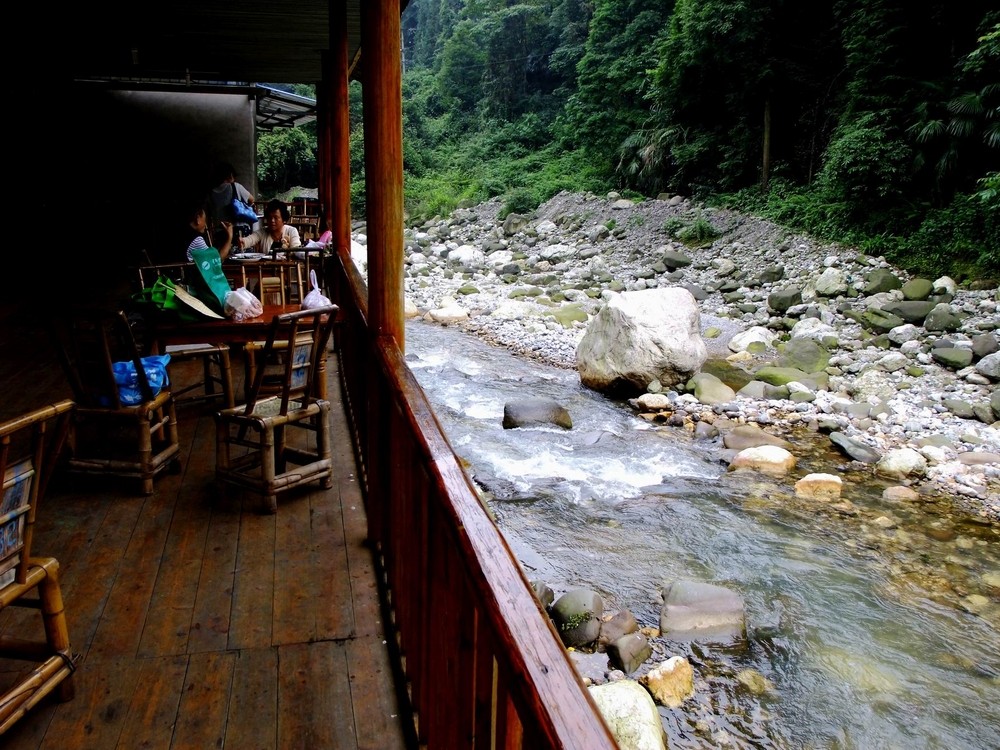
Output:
x=127 y=379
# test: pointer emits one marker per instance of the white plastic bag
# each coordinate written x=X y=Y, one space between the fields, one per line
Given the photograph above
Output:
x=315 y=298
x=240 y=304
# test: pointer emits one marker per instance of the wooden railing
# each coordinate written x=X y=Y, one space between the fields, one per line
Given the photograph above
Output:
x=484 y=666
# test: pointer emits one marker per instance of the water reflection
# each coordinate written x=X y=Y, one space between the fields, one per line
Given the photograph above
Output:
x=871 y=624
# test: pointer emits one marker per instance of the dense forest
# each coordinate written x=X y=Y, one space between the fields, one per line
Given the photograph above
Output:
x=873 y=123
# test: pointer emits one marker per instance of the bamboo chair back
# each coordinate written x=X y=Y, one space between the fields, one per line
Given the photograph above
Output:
x=288 y=362
x=29 y=448
x=254 y=448
x=109 y=436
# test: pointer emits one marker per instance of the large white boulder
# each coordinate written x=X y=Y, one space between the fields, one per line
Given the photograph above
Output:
x=639 y=337
x=631 y=715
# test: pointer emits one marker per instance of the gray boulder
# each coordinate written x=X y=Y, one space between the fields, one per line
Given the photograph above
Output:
x=629 y=652
x=782 y=299
x=912 y=311
x=942 y=317
x=577 y=616
x=804 y=354
x=639 y=337
x=854 y=449
x=631 y=715
x=989 y=366
x=881 y=280
x=693 y=610
x=915 y=289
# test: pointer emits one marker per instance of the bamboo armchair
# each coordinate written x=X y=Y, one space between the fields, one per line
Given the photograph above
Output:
x=255 y=446
x=29 y=447
x=107 y=435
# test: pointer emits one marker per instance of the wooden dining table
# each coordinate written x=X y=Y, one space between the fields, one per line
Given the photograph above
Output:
x=226 y=330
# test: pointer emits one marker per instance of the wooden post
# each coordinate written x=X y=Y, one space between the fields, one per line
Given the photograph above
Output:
x=383 y=126
x=339 y=208
x=323 y=140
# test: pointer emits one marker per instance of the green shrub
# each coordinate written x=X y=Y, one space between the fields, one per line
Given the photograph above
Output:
x=673 y=226
x=698 y=231
x=519 y=201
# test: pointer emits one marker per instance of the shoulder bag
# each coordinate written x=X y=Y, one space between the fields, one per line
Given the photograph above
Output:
x=243 y=213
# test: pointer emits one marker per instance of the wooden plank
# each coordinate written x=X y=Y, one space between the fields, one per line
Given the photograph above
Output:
x=253 y=604
x=295 y=601
x=96 y=715
x=366 y=609
x=88 y=580
x=377 y=715
x=330 y=573
x=171 y=608
x=203 y=712
x=212 y=614
x=120 y=628
x=313 y=691
x=253 y=703
x=153 y=710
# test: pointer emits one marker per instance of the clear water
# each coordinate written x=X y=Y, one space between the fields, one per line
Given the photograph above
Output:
x=869 y=633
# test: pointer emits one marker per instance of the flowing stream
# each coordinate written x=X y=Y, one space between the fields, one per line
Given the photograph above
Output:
x=871 y=627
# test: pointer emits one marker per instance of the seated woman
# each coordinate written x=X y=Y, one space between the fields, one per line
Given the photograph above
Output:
x=275 y=235
x=197 y=234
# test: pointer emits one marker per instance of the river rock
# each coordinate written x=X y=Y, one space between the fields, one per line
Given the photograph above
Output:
x=671 y=682
x=639 y=337
x=855 y=449
x=901 y=463
x=615 y=626
x=831 y=283
x=708 y=389
x=900 y=493
x=755 y=334
x=989 y=366
x=805 y=355
x=942 y=317
x=728 y=372
x=917 y=289
x=535 y=411
x=952 y=358
x=880 y=321
x=781 y=300
x=912 y=311
x=825 y=487
x=628 y=652
x=693 y=610
x=881 y=280
x=767 y=459
x=630 y=714
x=750 y=436
x=577 y=616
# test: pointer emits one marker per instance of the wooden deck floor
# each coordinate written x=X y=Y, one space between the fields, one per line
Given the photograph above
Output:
x=200 y=622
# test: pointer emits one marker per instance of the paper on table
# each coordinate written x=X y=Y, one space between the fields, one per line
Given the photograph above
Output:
x=314 y=245
x=191 y=301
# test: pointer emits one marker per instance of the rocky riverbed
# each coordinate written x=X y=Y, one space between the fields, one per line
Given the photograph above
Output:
x=909 y=367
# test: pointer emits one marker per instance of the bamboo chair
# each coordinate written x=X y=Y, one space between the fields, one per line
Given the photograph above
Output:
x=107 y=435
x=29 y=447
x=255 y=447
x=216 y=381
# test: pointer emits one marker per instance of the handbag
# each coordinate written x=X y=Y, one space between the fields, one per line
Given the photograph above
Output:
x=242 y=212
x=161 y=301
x=127 y=379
